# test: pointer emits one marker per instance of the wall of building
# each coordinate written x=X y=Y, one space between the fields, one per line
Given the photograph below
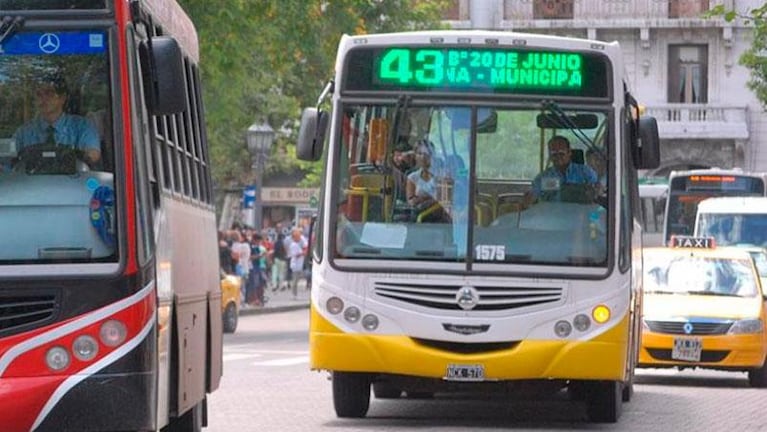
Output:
x=644 y=30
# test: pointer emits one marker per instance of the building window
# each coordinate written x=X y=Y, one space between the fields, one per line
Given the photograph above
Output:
x=686 y=8
x=453 y=11
x=553 y=9
x=688 y=73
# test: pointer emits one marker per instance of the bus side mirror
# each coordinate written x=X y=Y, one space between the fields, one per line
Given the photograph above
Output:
x=162 y=67
x=646 y=146
x=311 y=135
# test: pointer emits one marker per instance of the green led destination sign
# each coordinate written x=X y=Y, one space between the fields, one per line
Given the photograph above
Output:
x=495 y=70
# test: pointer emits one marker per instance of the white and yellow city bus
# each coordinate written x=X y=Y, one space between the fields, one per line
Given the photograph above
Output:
x=437 y=264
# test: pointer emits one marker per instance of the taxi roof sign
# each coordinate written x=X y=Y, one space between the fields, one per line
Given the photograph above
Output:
x=678 y=241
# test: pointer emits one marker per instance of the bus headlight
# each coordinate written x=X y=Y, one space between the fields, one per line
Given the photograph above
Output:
x=352 y=314
x=747 y=326
x=57 y=358
x=563 y=328
x=582 y=322
x=334 y=305
x=85 y=348
x=370 y=322
x=112 y=333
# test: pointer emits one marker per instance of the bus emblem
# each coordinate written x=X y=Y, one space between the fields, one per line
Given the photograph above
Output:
x=467 y=297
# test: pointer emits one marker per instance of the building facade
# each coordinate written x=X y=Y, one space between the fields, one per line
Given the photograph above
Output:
x=681 y=66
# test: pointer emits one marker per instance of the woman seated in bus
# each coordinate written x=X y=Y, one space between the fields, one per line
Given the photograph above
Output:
x=422 y=185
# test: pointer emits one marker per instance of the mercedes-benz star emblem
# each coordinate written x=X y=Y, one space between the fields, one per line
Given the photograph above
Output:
x=49 y=43
x=687 y=327
x=467 y=297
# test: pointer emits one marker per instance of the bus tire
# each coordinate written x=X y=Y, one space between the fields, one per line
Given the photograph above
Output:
x=758 y=377
x=190 y=421
x=604 y=401
x=230 y=318
x=386 y=391
x=351 y=394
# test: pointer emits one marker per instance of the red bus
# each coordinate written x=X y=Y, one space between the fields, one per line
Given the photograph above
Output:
x=110 y=307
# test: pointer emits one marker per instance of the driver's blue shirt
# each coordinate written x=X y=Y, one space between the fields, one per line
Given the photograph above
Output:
x=70 y=130
x=551 y=179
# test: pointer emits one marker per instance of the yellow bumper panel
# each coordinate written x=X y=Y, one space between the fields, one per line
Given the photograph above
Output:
x=739 y=351
x=602 y=358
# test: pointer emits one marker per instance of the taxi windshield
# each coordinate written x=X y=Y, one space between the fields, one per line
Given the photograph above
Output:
x=698 y=275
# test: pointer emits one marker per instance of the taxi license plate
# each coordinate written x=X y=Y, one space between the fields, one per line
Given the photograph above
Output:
x=462 y=372
x=687 y=349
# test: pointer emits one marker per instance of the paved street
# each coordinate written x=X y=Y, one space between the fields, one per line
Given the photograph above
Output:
x=267 y=387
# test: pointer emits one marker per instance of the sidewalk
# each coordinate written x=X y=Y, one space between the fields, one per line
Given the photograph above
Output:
x=280 y=301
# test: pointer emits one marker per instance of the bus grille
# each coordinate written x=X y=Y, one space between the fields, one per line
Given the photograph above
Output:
x=466 y=348
x=19 y=310
x=491 y=298
x=698 y=328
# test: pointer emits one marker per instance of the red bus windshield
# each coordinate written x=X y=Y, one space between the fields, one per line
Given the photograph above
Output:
x=56 y=158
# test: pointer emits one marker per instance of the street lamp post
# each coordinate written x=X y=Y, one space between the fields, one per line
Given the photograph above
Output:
x=259 y=138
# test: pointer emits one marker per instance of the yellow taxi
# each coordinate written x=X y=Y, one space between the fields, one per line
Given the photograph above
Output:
x=230 y=301
x=703 y=307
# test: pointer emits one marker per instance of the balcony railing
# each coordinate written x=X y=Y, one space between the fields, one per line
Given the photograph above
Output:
x=520 y=12
x=700 y=121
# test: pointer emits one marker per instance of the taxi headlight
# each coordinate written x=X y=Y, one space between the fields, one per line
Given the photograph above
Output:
x=747 y=326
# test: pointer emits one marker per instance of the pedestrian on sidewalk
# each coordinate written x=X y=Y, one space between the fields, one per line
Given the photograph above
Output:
x=257 y=278
x=297 y=250
x=279 y=260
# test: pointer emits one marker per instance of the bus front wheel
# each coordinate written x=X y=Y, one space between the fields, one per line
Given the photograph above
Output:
x=351 y=394
x=604 y=400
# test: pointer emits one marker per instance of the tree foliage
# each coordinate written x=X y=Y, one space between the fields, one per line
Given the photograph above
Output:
x=755 y=57
x=266 y=59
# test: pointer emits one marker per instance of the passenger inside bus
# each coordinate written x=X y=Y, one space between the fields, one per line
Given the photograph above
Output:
x=423 y=186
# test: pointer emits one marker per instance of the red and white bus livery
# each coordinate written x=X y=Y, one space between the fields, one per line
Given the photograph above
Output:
x=110 y=307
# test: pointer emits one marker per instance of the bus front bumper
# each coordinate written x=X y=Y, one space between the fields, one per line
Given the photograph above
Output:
x=601 y=358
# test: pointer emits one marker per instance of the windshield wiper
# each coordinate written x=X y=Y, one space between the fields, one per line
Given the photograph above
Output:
x=9 y=26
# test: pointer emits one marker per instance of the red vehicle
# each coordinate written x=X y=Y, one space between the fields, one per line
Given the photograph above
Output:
x=110 y=306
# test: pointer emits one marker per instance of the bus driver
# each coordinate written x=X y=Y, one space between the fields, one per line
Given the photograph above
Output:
x=52 y=126
x=550 y=184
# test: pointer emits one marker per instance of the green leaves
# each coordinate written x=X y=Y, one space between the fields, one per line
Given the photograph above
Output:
x=267 y=59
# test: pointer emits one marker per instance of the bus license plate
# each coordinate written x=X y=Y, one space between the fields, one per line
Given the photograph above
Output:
x=461 y=372
x=687 y=349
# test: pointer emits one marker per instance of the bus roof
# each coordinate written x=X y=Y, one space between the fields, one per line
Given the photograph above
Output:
x=733 y=205
x=169 y=15
x=478 y=37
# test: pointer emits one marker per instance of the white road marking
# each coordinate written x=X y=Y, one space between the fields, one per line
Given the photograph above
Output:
x=289 y=361
x=240 y=356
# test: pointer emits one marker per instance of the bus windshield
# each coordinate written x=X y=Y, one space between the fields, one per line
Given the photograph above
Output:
x=56 y=158
x=405 y=189
x=688 y=189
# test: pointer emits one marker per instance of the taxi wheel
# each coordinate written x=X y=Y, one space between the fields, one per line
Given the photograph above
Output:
x=351 y=394
x=758 y=377
x=604 y=401
x=230 y=319
x=386 y=391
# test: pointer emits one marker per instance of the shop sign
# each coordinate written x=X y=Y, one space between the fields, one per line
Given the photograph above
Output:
x=271 y=195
